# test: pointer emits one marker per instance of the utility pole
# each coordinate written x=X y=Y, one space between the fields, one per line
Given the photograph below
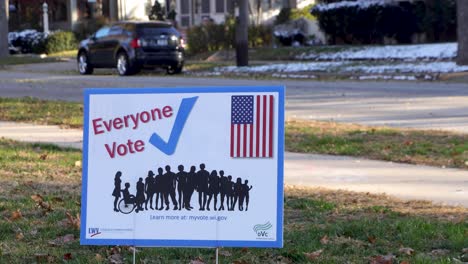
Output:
x=242 y=34
x=4 y=28
x=462 y=32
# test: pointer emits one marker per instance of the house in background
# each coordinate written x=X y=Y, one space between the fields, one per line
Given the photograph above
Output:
x=66 y=14
x=194 y=12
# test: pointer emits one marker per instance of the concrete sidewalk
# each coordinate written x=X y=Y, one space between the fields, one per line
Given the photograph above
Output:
x=446 y=186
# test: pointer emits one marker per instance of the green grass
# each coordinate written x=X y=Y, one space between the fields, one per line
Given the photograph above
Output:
x=348 y=227
x=381 y=143
x=40 y=111
x=17 y=60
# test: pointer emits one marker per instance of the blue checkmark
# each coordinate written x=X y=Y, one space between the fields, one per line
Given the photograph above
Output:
x=184 y=110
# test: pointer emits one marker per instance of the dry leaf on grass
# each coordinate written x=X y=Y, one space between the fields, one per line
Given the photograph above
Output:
x=324 y=240
x=115 y=259
x=67 y=256
x=225 y=253
x=37 y=198
x=198 y=260
x=43 y=156
x=371 y=239
x=62 y=240
x=78 y=163
x=74 y=222
x=388 y=259
x=98 y=257
x=19 y=236
x=406 y=250
x=16 y=215
x=314 y=255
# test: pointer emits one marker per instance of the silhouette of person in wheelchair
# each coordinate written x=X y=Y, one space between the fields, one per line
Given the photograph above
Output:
x=128 y=202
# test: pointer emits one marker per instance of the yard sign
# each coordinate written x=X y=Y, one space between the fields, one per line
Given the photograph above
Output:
x=184 y=167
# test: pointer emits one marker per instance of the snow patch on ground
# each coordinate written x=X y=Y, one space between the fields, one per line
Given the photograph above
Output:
x=361 y=4
x=284 y=67
x=424 y=67
x=430 y=67
x=440 y=51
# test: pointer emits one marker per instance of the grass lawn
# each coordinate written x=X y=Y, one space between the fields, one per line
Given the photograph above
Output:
x=381 y=143
x=28 y=59
x=40 y=201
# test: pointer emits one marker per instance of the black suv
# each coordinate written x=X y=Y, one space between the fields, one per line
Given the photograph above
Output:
x=130 y=46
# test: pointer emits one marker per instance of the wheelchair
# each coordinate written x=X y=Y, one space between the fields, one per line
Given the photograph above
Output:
x=127 y=206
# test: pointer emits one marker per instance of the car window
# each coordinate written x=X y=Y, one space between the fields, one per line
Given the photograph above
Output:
x=157 y=30
x=103 y=32
x=115 y=30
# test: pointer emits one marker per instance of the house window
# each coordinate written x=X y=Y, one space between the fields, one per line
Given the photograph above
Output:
x=185 y=21
x=184 y=6
x=205 y=6
x=220 y=6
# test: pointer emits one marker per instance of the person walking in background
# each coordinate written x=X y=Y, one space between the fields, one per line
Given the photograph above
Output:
x=213 y=189
x=245 y=193
x=159 y=188
x=189 y=187
x=140 y=194
x=222 y=188
x=117 y=189
x=237 y=193
x=202 y=186
x=181 y=178
x=149 y=189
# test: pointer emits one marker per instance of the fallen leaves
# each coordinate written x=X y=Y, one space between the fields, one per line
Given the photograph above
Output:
x=19 y=236
x=314 y=255
x=324 y=240
x=59 y=241
x=198 y=260
x=406 y=250
x=73 y=221
x=387 y=259
x=16 y=215
x=67 y=256
x=46 y=207
x=372 y=239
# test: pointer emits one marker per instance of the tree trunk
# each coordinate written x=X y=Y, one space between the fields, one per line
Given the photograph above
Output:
x=3 y=28
x=462 y=32
x=242 y=34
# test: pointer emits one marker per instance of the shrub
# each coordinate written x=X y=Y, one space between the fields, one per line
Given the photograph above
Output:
x=60 y=41
x=368 y=22
x=213 y=37
x=28 y=41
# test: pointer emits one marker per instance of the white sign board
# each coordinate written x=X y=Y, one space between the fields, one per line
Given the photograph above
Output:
x=188 y=167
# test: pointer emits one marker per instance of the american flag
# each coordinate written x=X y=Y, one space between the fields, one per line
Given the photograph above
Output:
x=252 y=126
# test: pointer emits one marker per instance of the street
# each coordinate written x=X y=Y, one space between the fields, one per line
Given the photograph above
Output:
x=423 y=105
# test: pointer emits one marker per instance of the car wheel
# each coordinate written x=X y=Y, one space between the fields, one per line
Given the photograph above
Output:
x=84 y=67
x=123 y=64
x=174 y=69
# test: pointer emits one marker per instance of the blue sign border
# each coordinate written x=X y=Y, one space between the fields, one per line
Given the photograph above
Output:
x=278 y=243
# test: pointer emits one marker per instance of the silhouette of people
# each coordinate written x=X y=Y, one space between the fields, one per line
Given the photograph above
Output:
x=170 y=185
x=229 y=193
x=159 y=188
x=245 y=194
x=202 y=186
x=222 y=188
x=117 y=188
x=140 y=194
x=213 y=189
x=149 y=189
x=189 y=187
x=178 y=188
x=128 y=198
x=181 y=177
x=237 y=193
